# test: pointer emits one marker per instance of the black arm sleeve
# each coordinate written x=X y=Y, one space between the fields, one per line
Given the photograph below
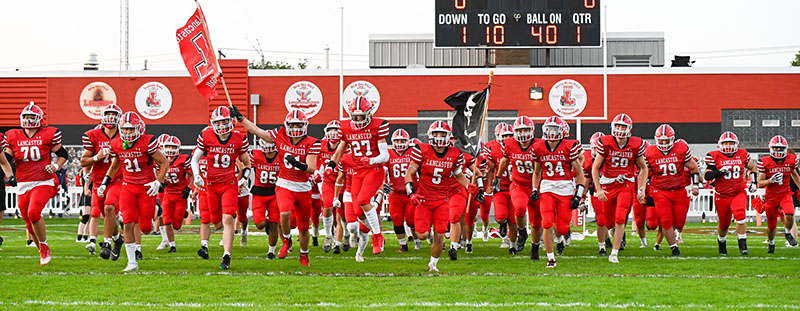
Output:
x=62 y=153
x=711 y=174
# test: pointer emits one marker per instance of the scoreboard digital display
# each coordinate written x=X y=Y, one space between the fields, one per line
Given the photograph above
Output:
x=517 y=23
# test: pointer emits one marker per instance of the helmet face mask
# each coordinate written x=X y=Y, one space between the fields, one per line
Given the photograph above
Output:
x=400 y=140
x=439 y=134
x=553 y=130
x=296 y=124
x=266 y=147
x=621 y=126
x=131 y=126
x=664 y=137
x=221 y=120
x=523 y=129
x=31 y=117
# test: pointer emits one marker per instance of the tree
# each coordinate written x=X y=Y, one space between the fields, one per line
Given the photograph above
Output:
x=796 y=61
x=301 y=64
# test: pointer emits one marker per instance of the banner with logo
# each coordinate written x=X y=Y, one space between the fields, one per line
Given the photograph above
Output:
x=197 y=54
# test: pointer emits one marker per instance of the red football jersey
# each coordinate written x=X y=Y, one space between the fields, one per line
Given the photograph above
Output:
x=588 y=161
x=557 y=162
x=520 y=160
x=222 y=154
x=493 y=151
x=435 y=170
x=178 y=174
x=135 y=161
x=769 y=166
x=620 y=160
x=398 y=166
x=325 y=154
x=95 y=140
x=266 y=169
x=300 y=151
x=203 y=164
x=32 y=154
x=735 y=181
x=364 y=142
x=468 y=160
x=346 y=165
x=667 y=170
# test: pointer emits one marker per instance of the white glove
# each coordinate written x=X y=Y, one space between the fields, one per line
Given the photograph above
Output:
x=198 y=181
x=753 y=187
x=243 y=183
x=337 y=203
x=101 y=190
x=87 y=178
x=777 y=178
x=153 y=188
x=51 y=168
x=724 y=171
x=583 y=207
x=101 y=154
x=695 y=191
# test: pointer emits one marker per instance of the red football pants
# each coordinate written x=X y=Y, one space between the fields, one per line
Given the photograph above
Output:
x=772 y=205
x=110 y=197
x=521 y=199
x=727 y=206
x=173 y=207
x=401 y=210
x=457 y=204
x=503 y=207
x=264 y=206
x=672 y=207
x=137 y=206
x=366 y=183
x=222 y=199
x=555 y=209
x=620 y=198
x=32 y=202
x=298 y=203
x=432 y=212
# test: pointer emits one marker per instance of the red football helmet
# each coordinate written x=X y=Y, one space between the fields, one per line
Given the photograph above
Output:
x=111 y=115
x=161 y=138
x=221 y=120
x=564 y=127
x=594 y=142
x=439 y=127
x=31 y=110
x=170 y=146
x=332 y=131
x=777 y=147
x=400 y=140
x=414 y=142
x=621 y=119
x=728 y=137
x=296 y=123
x=502 y=130
x=553 y=128
x=665 y=137
x=131 y=120
x=520 y=125
x=265 y=146
x=360 y=107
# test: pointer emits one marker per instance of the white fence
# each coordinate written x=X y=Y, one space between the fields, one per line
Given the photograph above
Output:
x=66 y=205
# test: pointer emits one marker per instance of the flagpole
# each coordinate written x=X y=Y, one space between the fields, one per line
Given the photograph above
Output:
x=216 y=59
x=480 y=131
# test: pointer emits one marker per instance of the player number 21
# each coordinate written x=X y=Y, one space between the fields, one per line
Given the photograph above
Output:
x=131 y=165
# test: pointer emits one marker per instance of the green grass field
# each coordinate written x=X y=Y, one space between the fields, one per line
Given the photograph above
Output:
x=487 y=279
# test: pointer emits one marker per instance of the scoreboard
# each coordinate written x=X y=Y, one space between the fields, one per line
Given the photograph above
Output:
x=517 y=23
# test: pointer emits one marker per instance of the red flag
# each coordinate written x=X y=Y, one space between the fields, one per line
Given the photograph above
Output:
x=198 y=55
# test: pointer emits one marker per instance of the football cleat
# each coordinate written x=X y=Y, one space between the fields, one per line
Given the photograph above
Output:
x=504 y=229
x=337 y=249
x=30 y=244
x=608 y=243
x=139 y=255
x=304 y=259
x=551 y=263
x=743 y=247
x=362 y=245
x=377 y=243
x=771 y=249
x=469 y=248
x=91 y=248
x=163 y=245
x=613 y=258
x=602 y=252
x=791 y=240
x=417 y=244
x=505 y=243
x=270 y=256
x=675 y=251
x=225 y=264
x=521 y=240
x=723 y=248
x=346 y=245
x=535 y=251
x=115 y=252
x=430 y=239
x=131 y=266
x=353 y=241
x=44 y=254
x=105 y=250
x=656 y=247
x=326 y=246
x=315 y=241
x=568 y=238
x=287 y=243
x=453 y=253
x=172 y=249
x=512 y=250
x=1 y=241
x=403 y=248
x=203 y=252
x=624 y=242
x=432 y=268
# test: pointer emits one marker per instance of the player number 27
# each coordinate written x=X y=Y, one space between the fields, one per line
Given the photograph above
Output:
x=31 y=154
x=357 y=145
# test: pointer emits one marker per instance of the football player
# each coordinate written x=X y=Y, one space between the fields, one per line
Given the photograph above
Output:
x=666 y=161
x=367 y=138
x=96 y=144
x=616 y=156
x=518 y=154
x=728 y=166
x=176 y=192
x=437 y=164
x=557 y=163
x=458 y=203
x=602 y=230
x=135 y=151
x=266 y=215
x=500 y=197
x=298 y=152
x=774 y=172
x=222 y=146
x=328 y=181
x=400 y=208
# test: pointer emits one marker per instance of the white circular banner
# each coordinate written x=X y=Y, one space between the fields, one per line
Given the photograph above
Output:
x=96 y=96
x=567 y=98
x=362 y=88
x=305 y=96
x=153 y=100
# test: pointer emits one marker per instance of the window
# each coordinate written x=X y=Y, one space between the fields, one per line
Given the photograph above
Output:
x=770 y=123
x=741 y=123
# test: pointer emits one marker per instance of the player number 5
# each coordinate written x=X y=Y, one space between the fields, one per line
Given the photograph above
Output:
x=437 y=175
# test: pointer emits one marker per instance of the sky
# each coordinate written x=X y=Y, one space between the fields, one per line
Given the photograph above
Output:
x=46 y=35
